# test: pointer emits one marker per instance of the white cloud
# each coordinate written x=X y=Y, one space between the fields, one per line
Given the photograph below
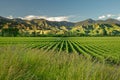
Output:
x=118 y=18
x=10 y=17
x=109 y=15
x=30 y=17
x=59 y=18
x=102 y=17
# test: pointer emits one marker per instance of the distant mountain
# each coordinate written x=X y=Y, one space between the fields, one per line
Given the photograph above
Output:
x=3 y=19
x=112 y=21
x=41 y=26
x=108 y=21
x=85 y=22
x=45 y=23
x=91 y=22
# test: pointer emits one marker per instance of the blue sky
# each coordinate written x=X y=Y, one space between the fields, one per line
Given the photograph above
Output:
x=71 y=10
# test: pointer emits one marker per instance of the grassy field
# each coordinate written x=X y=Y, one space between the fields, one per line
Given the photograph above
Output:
x=97 y=47
x=57 y=58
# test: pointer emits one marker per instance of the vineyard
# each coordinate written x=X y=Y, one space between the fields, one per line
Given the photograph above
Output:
x=97 y=47
x=59 y=58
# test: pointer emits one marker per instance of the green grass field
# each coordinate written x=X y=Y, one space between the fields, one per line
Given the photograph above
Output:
x=59 y=58
x=96 y=47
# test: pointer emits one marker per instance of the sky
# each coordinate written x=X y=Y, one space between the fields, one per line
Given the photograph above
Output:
x=60 y=10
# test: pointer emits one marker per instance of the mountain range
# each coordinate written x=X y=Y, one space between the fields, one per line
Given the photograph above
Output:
x=87 y=27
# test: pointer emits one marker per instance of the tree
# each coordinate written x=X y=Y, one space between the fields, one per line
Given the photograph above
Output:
x=10 y=31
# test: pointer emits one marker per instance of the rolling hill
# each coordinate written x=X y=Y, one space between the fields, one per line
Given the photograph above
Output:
x=35 y=27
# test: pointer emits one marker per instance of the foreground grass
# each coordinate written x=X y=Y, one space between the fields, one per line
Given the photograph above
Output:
x=17 y=63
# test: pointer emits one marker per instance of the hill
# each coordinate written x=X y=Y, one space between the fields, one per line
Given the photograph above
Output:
x=37 y=27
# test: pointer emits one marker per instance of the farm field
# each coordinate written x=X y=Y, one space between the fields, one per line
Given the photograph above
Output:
x=59 y=58
x=97 y=47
